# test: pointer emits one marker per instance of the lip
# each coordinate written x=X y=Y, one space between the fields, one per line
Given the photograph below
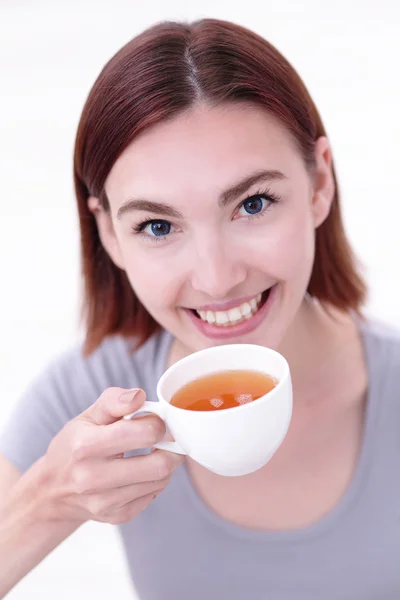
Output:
x=223 y=333
x=226 y=305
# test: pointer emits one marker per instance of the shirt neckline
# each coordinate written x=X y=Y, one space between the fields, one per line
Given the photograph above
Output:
x=346 y=504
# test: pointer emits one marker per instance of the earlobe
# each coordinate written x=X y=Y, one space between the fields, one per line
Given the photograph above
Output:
x=106 y=231
x=324 y=184
x=93 y=204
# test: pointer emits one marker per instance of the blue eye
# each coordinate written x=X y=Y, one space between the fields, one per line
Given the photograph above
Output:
x=159 y=228
x=154 y=229
x=254 y=205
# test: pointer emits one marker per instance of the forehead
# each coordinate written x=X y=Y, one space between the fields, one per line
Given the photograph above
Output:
x=202 y=151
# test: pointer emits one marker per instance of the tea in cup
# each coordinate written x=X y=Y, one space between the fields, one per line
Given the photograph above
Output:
x=227 y=407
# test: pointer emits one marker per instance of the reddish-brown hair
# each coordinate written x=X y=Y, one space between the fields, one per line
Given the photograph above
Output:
x=160 y=73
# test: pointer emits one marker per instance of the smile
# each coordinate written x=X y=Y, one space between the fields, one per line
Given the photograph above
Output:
x=234 y=321
x=233 y=316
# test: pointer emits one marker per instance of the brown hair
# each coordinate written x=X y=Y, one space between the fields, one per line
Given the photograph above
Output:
x=160 y=73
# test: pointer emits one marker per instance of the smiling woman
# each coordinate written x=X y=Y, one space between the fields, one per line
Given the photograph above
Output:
x=209 y=214
x=225 y=240
x=216 y=89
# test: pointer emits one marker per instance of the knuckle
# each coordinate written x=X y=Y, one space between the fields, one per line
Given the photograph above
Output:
x=78 y=450
x=154 y=429
x=97 y=507
x=114 y=519
x=109 y=393
x=109 y=396
x=106 y=399
x=119 y=516
x=163 y=466
x=80 y=447
x=82 y=480
x=126 y=513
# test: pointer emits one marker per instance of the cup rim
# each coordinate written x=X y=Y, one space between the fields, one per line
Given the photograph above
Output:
x=195 y=355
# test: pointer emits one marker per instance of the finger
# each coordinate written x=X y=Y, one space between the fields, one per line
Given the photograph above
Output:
x=98 y=475
x=140 y=469
x=113 y=404
x=103 y=503
x=129 y=511
x=124 y=436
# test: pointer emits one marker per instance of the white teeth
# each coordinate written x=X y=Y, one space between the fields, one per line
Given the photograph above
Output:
x=221 y=318
x=253 y=304
x=233 y=316
x=245 y=309
x=210 y=317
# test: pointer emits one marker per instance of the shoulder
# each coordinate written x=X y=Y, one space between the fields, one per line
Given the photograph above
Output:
x=73 y=381
x=382 y=349
x=116 y=362
x=70 y=384
x=382 y=339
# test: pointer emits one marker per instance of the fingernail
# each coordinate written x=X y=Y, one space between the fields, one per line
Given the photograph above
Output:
x=128 y=396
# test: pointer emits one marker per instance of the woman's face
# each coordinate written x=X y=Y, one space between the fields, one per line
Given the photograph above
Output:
x=212 y=216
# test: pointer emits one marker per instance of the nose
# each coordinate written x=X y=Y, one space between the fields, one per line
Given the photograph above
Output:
x=216 y=269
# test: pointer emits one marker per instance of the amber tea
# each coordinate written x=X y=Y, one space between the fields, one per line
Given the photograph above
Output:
x=226 y=389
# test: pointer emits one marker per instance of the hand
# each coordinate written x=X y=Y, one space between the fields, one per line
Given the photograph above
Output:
x=84 y=472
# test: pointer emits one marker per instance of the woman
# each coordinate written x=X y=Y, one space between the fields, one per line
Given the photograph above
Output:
x=209 y=214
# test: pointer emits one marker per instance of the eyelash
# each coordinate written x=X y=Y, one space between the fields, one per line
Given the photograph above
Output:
x=267 y=195
x=271 y=197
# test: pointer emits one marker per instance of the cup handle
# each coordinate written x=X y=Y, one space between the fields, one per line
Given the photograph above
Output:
x=157 y=409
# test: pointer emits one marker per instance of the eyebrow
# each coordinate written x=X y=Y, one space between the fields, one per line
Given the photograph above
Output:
x=226 y=198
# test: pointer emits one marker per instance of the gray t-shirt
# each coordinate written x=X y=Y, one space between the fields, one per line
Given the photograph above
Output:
x=353 y=553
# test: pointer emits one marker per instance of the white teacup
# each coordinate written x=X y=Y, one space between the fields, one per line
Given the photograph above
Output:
x=233 y=441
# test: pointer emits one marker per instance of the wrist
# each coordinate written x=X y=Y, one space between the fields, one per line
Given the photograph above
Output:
x=37 y=503
x=28 y=529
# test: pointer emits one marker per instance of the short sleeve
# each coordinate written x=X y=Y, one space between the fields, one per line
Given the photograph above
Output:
x=60 y=393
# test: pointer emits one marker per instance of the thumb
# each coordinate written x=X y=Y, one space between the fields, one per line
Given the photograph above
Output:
x=113 y=404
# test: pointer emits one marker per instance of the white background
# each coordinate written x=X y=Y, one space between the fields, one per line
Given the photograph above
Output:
x=50 y=53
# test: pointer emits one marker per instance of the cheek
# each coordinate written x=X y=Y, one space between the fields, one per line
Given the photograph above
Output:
x=149 y=278
x=286 y=249
x=300 y=246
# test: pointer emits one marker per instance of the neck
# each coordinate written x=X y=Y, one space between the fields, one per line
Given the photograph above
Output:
x=320 y=347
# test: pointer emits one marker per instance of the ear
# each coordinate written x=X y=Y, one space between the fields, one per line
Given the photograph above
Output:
x=106 y=231
x=323 y=182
